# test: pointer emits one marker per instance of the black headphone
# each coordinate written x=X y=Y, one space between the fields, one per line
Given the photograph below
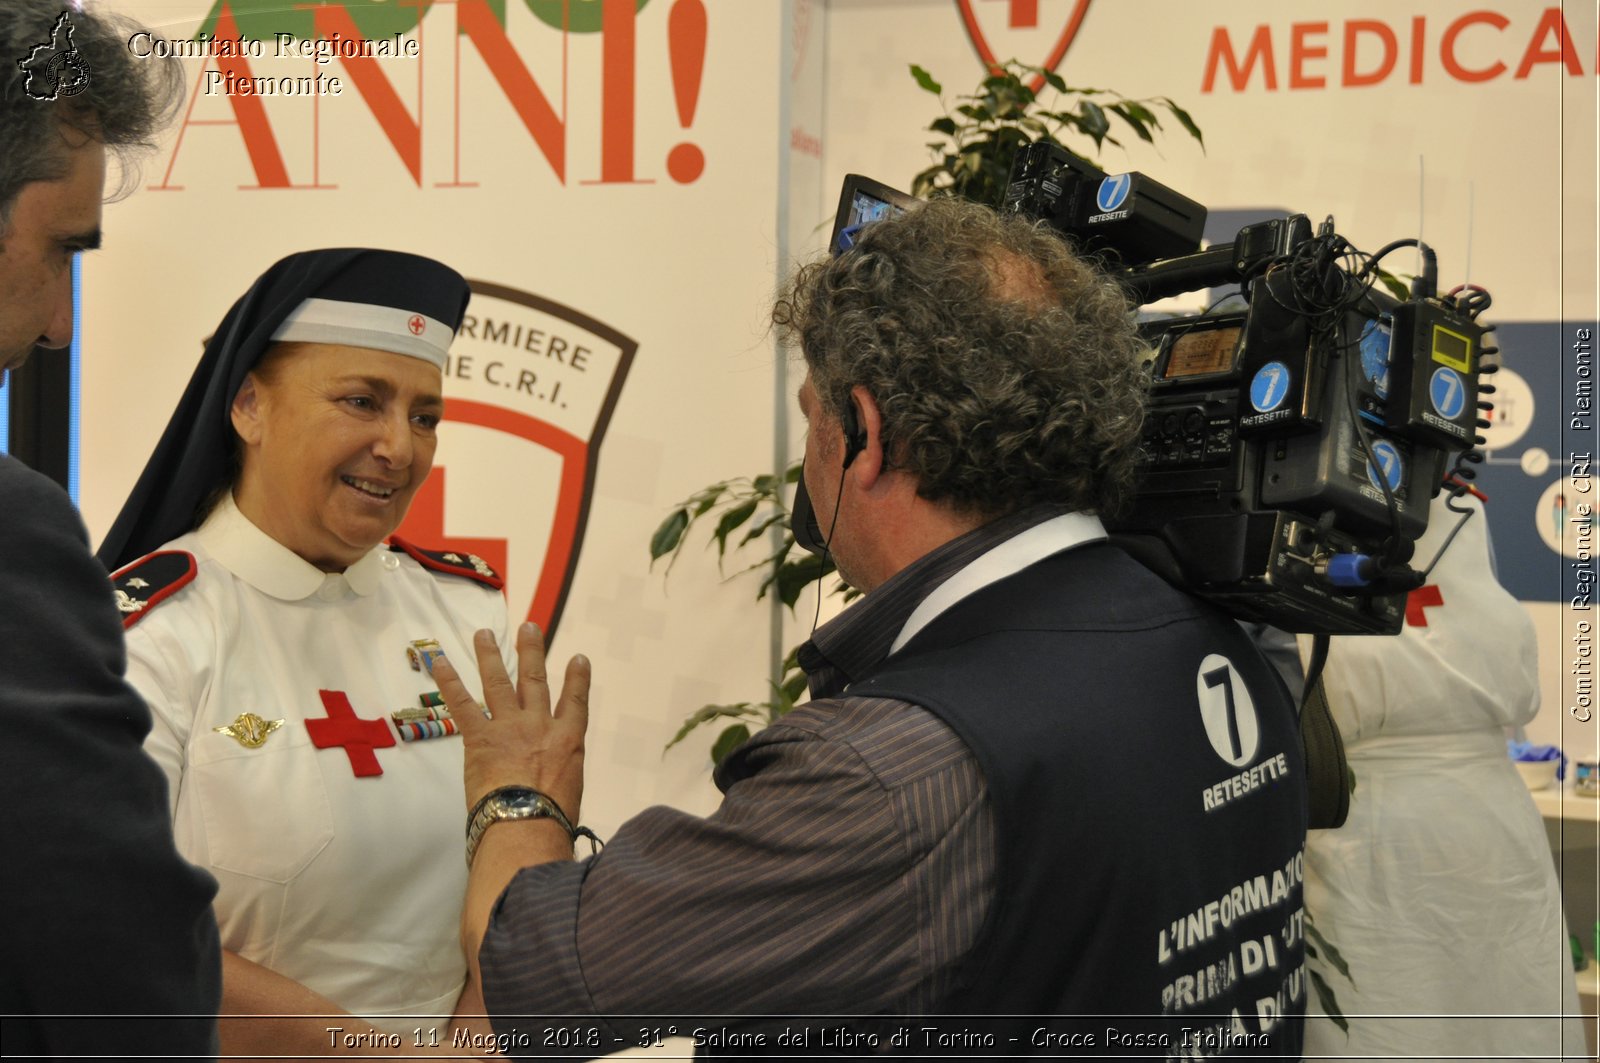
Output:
x=808 y=534
x=855 y=437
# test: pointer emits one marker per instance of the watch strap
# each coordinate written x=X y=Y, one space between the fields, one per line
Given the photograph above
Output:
x=513 y=802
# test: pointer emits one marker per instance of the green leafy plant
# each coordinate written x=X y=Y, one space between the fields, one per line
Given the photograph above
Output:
x=735 y=504
x=754 y=508
x=985 y=129
x=1325 y=994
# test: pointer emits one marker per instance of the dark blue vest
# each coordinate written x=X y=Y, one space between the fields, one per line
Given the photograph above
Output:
x=1144 y=766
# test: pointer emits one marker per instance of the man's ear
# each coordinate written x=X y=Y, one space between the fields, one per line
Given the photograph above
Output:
x=246 y=411
x=868 y=465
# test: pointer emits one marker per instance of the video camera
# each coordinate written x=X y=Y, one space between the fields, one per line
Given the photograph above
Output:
x=1293 y=444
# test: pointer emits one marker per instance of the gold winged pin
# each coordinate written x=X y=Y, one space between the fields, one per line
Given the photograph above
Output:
x=250 y=730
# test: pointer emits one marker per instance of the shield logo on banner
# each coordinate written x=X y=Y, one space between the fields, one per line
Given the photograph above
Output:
x=1022 y=29
x=529 y=389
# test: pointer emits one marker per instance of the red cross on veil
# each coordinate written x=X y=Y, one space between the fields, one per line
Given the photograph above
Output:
x=343 y=728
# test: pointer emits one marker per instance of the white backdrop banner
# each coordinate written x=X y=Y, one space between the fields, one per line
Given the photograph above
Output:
x=622 y=178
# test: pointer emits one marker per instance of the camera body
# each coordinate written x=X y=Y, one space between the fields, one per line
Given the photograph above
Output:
x=1253 y=478
x=1292 y=444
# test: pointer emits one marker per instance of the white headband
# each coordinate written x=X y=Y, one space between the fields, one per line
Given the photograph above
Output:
x=383 y=328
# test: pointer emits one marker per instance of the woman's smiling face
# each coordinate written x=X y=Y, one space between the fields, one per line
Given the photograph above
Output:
x=336 y=441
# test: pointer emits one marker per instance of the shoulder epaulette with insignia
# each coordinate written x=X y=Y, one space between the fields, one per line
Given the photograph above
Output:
x=145 y=583
x=451 y=563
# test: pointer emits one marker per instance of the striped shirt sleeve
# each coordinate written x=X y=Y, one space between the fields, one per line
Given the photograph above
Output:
x=847 y=871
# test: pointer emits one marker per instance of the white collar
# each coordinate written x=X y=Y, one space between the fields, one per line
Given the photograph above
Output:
x=1006 y=559
x=272 y=568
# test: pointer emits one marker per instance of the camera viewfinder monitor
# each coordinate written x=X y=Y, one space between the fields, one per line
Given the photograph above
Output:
x=863 y=201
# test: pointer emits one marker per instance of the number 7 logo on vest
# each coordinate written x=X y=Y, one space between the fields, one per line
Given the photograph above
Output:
x=1227 y=711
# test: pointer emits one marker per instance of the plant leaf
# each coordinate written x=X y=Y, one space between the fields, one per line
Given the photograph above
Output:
x=1185 y=120
x=926 y=80
x=706 y=713
x=762 y=525
x=1122 y=111
x=1330 y=953
x=793 y=577
x=794 y=687
x=782 y=702
x=731 y=520
x=1093 y=121
x=728 y=741
x=1141 y=112
x=1400 y=291
x=669 y=534
x=945 y=125
x=1329 y=1003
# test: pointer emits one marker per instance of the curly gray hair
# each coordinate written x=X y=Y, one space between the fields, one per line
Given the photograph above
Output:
x=1008 y=370
x=124 y=102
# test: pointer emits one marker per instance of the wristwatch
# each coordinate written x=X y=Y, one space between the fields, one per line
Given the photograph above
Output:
x=512 y=802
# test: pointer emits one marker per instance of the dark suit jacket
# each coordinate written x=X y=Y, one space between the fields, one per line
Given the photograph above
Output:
x=101 y=914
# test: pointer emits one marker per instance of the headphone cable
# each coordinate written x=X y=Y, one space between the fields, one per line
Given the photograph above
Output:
x=822 y=569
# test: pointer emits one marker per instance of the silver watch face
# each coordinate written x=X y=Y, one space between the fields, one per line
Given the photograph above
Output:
x=522 y=803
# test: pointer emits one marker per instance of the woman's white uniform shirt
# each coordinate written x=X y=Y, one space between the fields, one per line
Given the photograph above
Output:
x=349 y=885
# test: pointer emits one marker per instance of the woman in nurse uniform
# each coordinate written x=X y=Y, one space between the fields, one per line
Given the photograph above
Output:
x=282 y=647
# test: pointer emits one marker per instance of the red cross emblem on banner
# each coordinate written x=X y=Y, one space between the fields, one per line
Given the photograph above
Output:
x=417 y=325
x=1022 y=29
x=1024 y=14
x=344 y=728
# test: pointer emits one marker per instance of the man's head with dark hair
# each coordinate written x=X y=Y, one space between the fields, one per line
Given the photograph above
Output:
x=122 y=102
x=1006 y=371
x=69 y=91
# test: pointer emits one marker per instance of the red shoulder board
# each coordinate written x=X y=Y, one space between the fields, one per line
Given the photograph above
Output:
x=451 y=563
x=147 y=582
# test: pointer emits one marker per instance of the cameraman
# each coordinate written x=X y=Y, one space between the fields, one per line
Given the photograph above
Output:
x=1034 y=778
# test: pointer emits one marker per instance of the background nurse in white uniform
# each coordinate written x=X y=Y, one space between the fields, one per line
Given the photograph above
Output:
x=273 y=632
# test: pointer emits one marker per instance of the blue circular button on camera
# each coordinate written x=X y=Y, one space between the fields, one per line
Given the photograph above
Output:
x=1387 y=457
x=1269 y=387
x=1113 y=191
x=1448 y=393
